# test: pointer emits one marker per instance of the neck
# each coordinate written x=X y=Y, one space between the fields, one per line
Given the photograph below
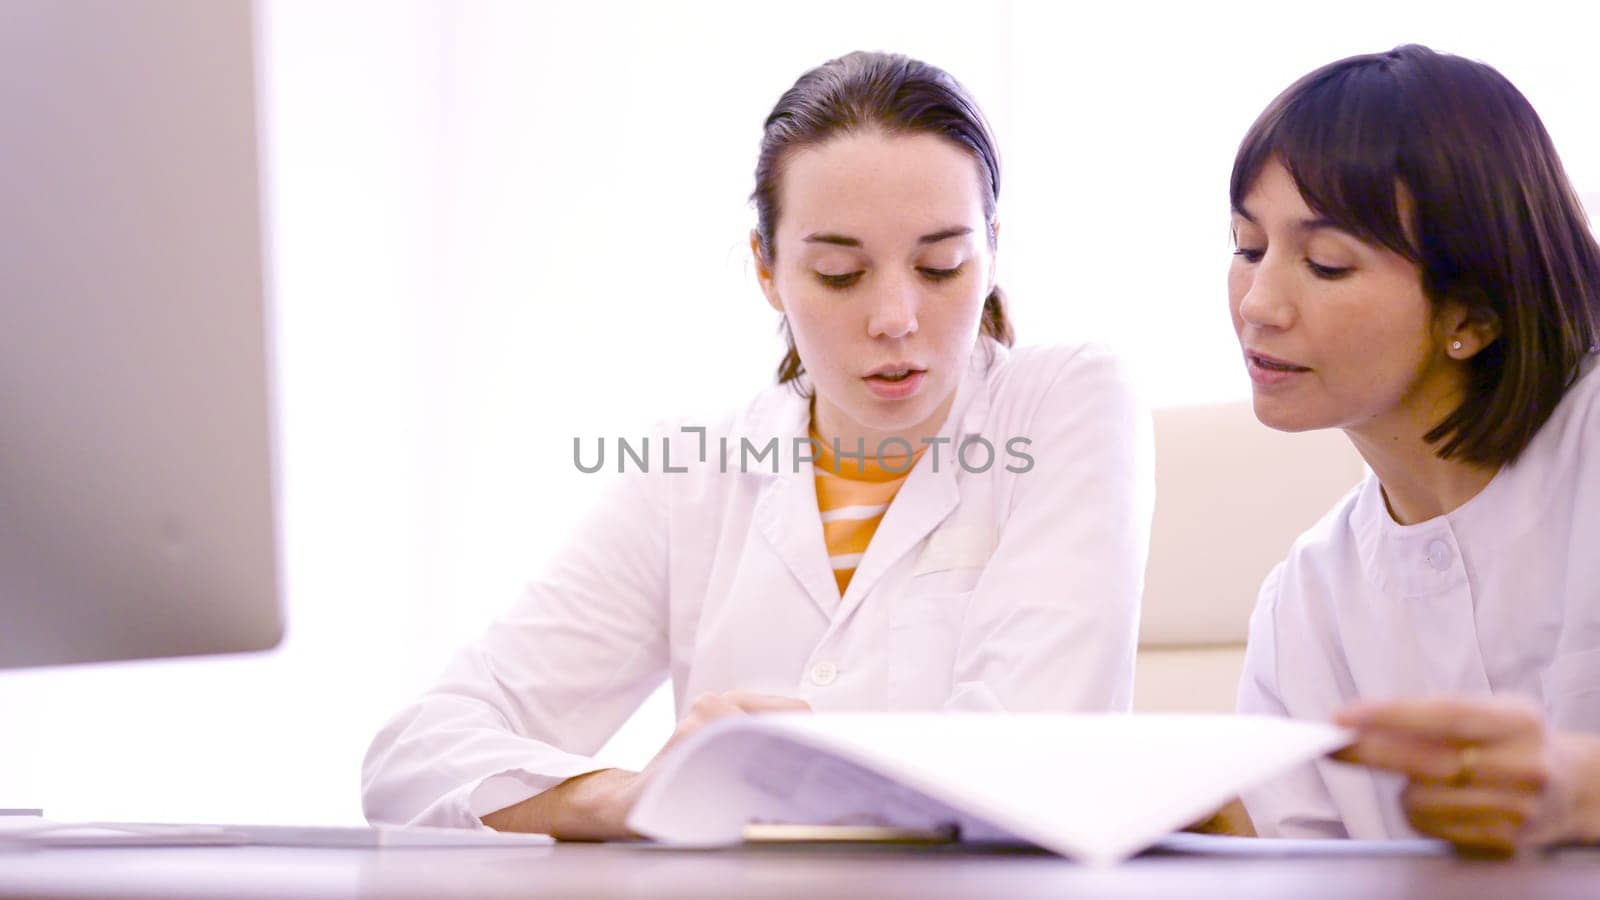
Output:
x=1417 y=484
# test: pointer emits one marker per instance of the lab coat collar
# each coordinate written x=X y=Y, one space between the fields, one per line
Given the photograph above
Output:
x=786 y=510
x=1397 y=557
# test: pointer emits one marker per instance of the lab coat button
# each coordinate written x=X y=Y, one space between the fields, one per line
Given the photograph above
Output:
x=823 y=673
x=1439 y=555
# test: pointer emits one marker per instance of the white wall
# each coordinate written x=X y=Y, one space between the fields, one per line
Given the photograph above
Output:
x=498 y=226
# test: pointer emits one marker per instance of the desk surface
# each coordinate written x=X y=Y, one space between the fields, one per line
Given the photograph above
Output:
x=594 y=870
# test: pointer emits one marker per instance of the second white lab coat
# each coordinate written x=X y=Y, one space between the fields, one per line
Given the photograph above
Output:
x=1498 y=596
x=992 y=590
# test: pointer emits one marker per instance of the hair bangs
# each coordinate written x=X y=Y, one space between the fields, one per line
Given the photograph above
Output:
x=1339 y=133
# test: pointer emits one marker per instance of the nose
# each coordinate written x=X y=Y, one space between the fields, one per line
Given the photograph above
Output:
x=1266 y=300
x=894 y=310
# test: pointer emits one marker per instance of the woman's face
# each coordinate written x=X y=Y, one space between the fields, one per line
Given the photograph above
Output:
x=882 y=264
x=1336 y=333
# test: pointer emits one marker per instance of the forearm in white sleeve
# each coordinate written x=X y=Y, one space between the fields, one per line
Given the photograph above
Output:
x=526 y=706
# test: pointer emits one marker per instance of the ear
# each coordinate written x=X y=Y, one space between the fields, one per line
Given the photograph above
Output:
x=1467 y=329
x=764 y=272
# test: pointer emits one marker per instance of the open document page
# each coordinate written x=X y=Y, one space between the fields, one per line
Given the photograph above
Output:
x=1097 y=788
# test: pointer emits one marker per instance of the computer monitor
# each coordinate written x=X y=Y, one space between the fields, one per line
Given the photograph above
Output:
x=137 y=500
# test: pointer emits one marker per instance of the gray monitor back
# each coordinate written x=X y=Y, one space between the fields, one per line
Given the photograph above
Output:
x=137 y=514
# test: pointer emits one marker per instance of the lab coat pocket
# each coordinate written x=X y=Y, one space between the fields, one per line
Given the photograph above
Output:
x=924 y=634
x=954 y=548
x=950 y=563
x=1572 y=691
x=925 y=618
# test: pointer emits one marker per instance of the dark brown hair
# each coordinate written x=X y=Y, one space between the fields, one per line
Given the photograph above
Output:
x=886 y=91
x=1494 y=224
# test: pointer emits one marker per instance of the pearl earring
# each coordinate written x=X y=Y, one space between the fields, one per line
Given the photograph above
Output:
x=1455 y=345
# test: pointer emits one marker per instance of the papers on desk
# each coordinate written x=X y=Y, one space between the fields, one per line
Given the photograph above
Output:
x=1187 y=844
x=19 y=833
x=384 y=836
x=1096 y=788
x=23 y=833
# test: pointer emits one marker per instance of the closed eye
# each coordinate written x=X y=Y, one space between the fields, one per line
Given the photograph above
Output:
x=939 y=274
x=840 y=282
x=1249 y=255
x=1328 y=273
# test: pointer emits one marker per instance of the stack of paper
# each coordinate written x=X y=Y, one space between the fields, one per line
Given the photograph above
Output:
x=1097 y=788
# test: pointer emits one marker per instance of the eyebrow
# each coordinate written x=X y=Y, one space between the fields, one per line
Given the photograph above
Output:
x=844 y=240
x=944 y=235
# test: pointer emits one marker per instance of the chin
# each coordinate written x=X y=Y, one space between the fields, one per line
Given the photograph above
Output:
x=1280 y=416
x=901 y=418
x=896 y=415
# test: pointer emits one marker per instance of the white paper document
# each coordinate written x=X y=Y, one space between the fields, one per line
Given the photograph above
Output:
x=1289 y=848
x=23 y=833
x=1096 y=788
x=31 y=832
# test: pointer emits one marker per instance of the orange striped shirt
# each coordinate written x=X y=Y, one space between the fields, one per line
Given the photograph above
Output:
x=852 y=496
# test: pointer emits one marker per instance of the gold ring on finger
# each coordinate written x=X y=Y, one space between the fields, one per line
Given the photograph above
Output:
x=1466 y=766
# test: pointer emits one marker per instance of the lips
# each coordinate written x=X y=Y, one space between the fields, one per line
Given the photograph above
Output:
x=1272 y=373
x=1273 y=363
x=894 y=372
x=895 y=381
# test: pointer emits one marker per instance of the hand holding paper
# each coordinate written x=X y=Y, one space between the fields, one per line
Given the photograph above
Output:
x=595 y=806
x=1486 y=774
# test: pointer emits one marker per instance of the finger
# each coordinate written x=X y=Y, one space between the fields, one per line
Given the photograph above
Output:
x=1480 y=837
x=1410 y=756
x=705 y=709
x=1462 y=719
x=1517 y=764
x=1446 y=803
x=752 y=702
x=1476 y=821
x=1231 y=819
x=711 y=706
x=708 y=707
x=1462 y=816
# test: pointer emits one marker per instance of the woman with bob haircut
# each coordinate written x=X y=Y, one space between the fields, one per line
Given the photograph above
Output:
x=1412 y=266
x=915 y=517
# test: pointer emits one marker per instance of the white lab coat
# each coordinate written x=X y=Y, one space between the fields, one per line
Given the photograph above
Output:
x=993 y=590
x=1499 y=596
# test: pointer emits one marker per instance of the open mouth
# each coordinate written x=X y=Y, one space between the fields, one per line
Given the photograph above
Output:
x=896 y=381
x=1275 y=365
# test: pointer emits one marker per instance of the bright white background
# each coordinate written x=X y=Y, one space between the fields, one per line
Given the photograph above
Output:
x=499 y=226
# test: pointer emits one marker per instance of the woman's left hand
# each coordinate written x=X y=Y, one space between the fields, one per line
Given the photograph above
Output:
x=1485 y=774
